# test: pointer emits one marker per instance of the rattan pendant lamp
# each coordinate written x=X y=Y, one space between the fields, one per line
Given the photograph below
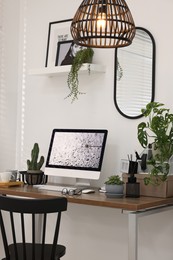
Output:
x=103 y=24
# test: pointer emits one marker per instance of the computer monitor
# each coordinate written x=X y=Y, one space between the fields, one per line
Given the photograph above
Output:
x=76 y=153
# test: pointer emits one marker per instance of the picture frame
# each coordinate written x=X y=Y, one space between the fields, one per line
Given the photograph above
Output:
x=124 y=167
x=63 y=48
x=58 y=31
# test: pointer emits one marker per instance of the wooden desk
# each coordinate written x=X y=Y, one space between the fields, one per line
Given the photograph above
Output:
x=94 y=199
x=135 y=207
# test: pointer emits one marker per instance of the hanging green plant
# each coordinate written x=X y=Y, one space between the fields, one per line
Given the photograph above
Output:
x=82 y=56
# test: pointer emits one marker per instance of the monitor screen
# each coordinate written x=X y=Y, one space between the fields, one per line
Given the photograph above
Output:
x=76 y=153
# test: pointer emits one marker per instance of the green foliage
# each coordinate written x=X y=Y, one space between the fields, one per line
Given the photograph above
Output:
x=114 y=179
x=158 y=174
x=33 y=164
x=158 y=131
x=82 y=56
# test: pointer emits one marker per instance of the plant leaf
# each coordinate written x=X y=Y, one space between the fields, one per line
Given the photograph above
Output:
x=142 y=134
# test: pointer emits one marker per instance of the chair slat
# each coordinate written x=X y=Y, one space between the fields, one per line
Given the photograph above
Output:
x=33 y=236
x=23 y=235
x=43 y=235
x=13 y=234
x=4 y=237
x=56 y=235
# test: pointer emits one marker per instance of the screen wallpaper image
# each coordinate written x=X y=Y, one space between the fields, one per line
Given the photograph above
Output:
x=76 y=149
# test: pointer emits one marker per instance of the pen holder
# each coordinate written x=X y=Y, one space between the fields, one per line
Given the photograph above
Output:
x=133 y=190
x=133 y=167
x=132 y=187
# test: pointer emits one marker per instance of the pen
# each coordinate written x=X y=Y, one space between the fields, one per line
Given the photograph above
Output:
x=130 y=157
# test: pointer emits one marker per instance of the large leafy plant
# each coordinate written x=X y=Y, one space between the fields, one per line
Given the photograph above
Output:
x=158 y=131
x=82 y=56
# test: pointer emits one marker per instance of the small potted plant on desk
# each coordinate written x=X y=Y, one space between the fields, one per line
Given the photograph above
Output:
x=114 y=187
x=34 y=174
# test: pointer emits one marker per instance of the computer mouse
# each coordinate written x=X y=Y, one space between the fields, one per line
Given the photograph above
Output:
x=87 y=191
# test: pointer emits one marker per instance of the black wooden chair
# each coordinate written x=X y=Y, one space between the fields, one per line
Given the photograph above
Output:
x=20 y=210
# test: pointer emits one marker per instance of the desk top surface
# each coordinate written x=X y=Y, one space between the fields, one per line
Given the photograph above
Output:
x=94 y=199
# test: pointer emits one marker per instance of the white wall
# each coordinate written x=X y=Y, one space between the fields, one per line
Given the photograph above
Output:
x=8 y=81
x=90 y=232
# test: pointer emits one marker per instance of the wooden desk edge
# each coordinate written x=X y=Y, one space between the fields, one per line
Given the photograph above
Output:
x=95 y=199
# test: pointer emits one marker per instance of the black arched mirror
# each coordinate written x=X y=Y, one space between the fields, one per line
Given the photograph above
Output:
x=134 y=78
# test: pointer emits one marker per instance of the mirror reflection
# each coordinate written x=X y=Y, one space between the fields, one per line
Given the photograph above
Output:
x=135 y=75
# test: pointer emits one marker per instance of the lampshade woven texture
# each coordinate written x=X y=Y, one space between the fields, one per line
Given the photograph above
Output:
x=117 y=31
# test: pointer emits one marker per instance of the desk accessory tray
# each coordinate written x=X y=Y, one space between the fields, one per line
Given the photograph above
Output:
x=11 y=183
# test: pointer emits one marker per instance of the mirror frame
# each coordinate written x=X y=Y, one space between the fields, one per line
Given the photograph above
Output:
x=152 y=80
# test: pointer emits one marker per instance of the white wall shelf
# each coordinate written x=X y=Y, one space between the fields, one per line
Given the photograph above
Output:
x=60 y=70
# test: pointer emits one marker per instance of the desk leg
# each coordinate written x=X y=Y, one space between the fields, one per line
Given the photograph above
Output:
x=132 y=236
x=133 y=228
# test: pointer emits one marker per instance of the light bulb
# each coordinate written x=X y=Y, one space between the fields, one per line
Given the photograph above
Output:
x=101 y=21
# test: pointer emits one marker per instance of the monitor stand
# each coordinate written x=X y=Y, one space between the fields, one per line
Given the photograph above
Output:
x=82 y=182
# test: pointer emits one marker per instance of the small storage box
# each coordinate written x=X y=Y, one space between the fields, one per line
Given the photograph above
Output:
x=164 y=190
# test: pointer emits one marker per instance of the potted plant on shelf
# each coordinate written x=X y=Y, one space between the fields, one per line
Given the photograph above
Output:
x=81 y=57
x=114 y=186
x=158 y=131
x=34 y=174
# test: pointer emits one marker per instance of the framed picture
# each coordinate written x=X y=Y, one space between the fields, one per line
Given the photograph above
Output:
x=66 y=51
x=58 y=32
x=63 y=56
x=124 y=167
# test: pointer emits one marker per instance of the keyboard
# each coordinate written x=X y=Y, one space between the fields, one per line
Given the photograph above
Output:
x=54 y=187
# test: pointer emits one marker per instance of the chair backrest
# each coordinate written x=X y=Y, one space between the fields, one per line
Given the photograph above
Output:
x=22 y=207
